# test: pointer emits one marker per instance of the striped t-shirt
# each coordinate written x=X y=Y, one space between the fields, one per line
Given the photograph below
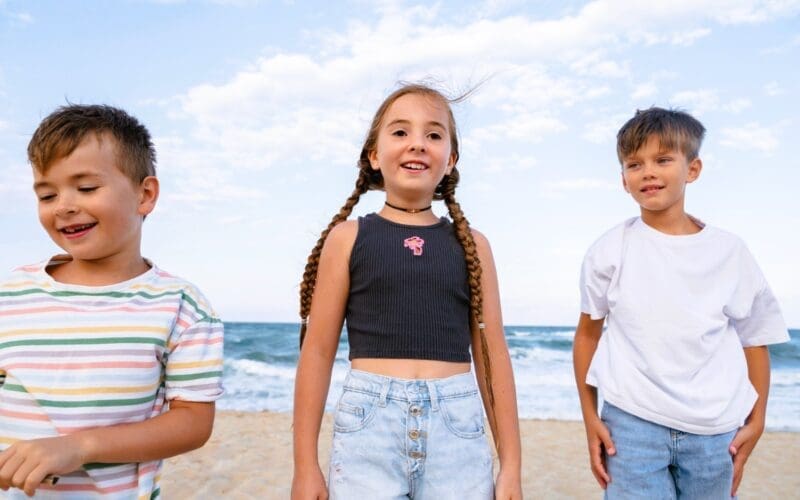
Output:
x=75 y=357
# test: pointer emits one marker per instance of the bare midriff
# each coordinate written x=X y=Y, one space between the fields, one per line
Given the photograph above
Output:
x=410 y=368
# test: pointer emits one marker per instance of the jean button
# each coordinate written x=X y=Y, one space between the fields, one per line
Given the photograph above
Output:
x=415 y=411
x=413 y=434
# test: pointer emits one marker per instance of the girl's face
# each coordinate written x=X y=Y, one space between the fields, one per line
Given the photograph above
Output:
x=413 y=151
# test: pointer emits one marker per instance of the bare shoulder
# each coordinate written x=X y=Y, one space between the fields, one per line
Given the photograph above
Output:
x=481 y=242
x=341 y=238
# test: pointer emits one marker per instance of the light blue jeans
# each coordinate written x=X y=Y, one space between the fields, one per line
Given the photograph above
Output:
x=656 y=462
x=399 y=439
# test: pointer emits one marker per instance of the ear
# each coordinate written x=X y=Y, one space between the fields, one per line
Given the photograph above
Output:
x=373 y=159
x=695 y=166
x=148 y=195
x=451 y=164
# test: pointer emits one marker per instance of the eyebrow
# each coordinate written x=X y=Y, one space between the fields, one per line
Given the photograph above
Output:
x=73 y=178
x=400 y=121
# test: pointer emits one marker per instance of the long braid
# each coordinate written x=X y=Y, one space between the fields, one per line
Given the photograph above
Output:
x=464 y=235
x=310 y=273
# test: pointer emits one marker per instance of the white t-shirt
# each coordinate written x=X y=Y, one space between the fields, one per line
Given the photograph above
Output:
x=678 y=311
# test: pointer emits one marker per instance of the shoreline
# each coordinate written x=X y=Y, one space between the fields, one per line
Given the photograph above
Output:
x=249 y=455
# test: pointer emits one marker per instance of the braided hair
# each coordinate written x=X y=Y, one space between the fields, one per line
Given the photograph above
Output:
x=369 y=179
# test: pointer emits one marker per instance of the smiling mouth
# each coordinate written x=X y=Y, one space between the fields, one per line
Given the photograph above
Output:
x=412 y=165
x=77 y=228
x=651 y=189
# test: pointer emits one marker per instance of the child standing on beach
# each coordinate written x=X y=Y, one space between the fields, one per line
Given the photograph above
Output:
x=682 y=367
x=107 y=363
x=417 y=292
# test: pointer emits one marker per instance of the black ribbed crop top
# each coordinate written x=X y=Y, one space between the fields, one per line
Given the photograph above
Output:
x=409 y=296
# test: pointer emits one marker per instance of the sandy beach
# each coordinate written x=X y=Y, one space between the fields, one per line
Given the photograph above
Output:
x=250 y=456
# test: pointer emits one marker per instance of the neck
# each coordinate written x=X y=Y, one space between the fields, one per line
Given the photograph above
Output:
x=98 y=273
x=423 y=218
x=674 y=223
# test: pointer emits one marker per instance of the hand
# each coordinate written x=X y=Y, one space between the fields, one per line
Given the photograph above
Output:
x=309 y=485
x=742 y=445
x=599 y=440
x=26 y=463
x=508 y=486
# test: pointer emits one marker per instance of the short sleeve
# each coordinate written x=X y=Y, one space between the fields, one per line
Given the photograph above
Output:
x=596 y=275
x=753 y=308
x=194 y=361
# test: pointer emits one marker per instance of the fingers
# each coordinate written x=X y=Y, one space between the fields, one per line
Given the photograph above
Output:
x=738 y=440
x=34 y=479
x=598 y=463
x=738 y=473
x=9 y=469
x=605 y=436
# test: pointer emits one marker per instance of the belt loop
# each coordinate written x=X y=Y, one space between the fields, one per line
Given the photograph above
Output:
x=433 y=394
x=387 y=382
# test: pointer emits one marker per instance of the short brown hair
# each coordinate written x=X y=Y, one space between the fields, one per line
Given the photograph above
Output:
x=65 y=128
x=675 y=129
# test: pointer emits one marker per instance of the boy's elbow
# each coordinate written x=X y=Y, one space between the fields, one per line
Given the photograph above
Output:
x=199 y=422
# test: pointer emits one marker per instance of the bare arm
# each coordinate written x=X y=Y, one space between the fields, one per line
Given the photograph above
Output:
x=186 y=426
x=503 y=418
x=748 y=435
x=587 y=336
x=317 y=356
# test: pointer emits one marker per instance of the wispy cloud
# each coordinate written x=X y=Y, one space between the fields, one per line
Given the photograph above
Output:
x=319 y=103
x=605 y=129
x=773 y=89
x=580 y=184
x=750 y=137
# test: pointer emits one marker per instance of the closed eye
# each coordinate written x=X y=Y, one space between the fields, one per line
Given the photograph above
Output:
x=87 y=189
x=46 y=197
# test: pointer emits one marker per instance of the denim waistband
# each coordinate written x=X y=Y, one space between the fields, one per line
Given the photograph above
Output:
x=420 y=390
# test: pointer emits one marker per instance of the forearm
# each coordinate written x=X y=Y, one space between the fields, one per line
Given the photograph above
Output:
x=506 y=413
x=583 y=350
x=587 y=337
x=759 y=373
x=310 y=393
x=185 y=427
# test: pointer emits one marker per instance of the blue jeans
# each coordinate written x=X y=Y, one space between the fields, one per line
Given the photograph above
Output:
x=656 y=462
x=423 y=439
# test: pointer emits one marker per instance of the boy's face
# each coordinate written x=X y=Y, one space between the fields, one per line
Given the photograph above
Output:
x=90 y=208
x=657 y=178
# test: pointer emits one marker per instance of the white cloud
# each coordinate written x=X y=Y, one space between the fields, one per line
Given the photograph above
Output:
x=530 y=128
x=580 y=184
x=514 y=162
x=773 y=89
x=290 y=107
x=696 y=101
x=605 y=129
x=644 y=90
x=750 y=136
x=737 y=105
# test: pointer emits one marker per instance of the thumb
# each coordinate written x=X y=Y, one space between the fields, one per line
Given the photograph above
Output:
x=605 y=437
x=737 y=442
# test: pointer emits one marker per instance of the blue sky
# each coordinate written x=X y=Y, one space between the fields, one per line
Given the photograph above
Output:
x=258 y=110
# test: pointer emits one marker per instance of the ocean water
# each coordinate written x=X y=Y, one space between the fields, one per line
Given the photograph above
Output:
x=260 y=361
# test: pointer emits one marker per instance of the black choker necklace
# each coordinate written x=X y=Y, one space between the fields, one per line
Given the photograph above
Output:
x=407 y=210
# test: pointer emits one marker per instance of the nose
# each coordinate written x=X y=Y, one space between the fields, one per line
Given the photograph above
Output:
x=65 y=207
x=417 y=144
